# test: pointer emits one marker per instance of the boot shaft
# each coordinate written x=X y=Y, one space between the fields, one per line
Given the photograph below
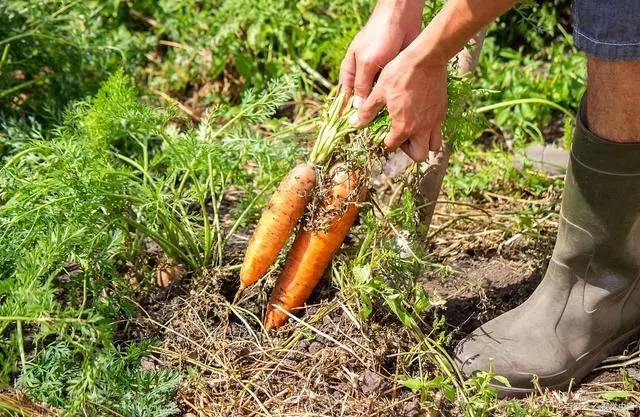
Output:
x=588 y=304
x=600 y=216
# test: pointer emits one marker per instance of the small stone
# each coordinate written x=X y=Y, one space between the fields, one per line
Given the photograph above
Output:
x=371 y=383
x=146 y=364
x=634 y=373
x=303 y=345
x=290 y=362
x=315 y=347
x=411 y=409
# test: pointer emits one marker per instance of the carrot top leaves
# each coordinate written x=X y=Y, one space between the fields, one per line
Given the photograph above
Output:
x=334 y=127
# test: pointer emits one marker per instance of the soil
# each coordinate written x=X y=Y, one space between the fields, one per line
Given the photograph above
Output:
x=338 y=365
x=483 y=264
x=489 y=288
x=494 y=285
x=351 y=372
x=294 y=371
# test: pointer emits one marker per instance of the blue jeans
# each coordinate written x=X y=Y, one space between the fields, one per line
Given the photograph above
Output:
x=608 y=29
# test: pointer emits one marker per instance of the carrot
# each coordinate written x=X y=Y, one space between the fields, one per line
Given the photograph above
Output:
x=280 y=217
x=312 y=251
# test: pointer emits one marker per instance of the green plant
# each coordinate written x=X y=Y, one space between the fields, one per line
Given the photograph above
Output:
x=54 y=51
x=132 y=168
x=524 y=58
x=85 y=185
x=483 y=394
x=76 y=202
x=474 y=170
x=244 y=41
x=100 y=381
x=382 y=274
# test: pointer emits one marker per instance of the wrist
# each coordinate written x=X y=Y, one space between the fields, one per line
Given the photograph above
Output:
x=427 y=54
x=436 y=45
x=452 y=28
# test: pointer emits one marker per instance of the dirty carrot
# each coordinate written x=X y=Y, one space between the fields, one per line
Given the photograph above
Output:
x=290 y=200
x=278 y=220
x=312 y=250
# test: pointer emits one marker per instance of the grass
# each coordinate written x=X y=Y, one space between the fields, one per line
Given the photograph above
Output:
x=80 y=204
x=105 y=187
x=537 y=78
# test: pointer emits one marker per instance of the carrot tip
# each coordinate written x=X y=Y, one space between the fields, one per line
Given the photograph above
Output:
x=238 y=293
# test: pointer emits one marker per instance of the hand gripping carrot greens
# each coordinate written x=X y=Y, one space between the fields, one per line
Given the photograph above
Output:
x=313 y=247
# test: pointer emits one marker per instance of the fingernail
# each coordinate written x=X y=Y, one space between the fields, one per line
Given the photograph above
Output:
x=357 y=102
x=354 y=120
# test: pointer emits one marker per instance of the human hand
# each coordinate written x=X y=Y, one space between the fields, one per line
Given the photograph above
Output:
x=392 y=26
x=415 y=93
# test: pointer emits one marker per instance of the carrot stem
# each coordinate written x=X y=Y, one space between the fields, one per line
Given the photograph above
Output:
x=334 y=128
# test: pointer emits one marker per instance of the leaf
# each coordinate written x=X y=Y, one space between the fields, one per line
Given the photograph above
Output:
x=367 y=306
x=436 y=382
x=615 y=395
x=362 y=274
x=244 y=65
x=253 y=34
x=422 y=300
x=504 y=381
x=449 y=392
x=412 y=383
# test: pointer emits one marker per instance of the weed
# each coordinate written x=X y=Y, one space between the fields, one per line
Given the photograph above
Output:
x=102 y=380
x=86 y=185
x=51 y=52
x=114 y=173
x=543 y=66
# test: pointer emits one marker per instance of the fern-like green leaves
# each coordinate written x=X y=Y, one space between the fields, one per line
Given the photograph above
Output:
x=74 y=202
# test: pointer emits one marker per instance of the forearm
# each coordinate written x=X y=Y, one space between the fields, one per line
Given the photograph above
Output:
x=453 y=27
x=400 y=8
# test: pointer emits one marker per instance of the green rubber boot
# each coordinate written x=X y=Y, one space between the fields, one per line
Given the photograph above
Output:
x=588 y=305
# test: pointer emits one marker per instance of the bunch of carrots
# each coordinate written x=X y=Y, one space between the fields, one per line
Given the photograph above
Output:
x=313 y=247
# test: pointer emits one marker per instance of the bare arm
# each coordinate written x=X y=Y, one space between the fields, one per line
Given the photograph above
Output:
x=452 y=28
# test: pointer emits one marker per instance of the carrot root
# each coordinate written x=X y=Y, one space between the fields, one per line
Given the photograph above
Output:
x=278 y=220
x=312 y=252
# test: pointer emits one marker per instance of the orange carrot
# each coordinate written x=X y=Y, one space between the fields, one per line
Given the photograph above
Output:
x=312 y=251
x=280 y=217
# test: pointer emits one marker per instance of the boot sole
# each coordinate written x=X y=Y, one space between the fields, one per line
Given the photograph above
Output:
x=589 y=363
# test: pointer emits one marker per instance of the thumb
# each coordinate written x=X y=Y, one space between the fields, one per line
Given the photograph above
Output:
x=369 y=109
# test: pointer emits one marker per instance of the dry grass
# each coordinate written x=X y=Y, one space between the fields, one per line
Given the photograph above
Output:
x=15 y=402
x=330 y=364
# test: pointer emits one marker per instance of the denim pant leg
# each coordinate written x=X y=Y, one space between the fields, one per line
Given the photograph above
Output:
x=608 y=29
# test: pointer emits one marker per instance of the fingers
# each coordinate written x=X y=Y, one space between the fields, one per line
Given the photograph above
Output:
x=363 y=83
x=369 y=108
x=348 y=74
x=394 y=138
x=417 y=147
